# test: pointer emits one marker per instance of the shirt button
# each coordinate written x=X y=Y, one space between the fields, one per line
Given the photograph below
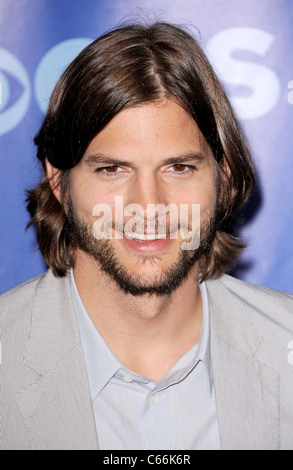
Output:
x=153 y=398
x=128 y=378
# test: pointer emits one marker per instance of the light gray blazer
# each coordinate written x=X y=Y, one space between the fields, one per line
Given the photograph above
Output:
x=45 y=398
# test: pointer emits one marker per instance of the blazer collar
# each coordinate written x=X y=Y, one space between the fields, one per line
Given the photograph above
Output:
x=247 y=390
x=56 y=409
x=54 y=330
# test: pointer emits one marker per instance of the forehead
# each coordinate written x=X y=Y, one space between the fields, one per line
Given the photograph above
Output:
x=156 y=130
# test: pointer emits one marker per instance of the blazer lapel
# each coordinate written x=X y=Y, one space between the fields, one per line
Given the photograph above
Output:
x=56 y=409
x=247 y=391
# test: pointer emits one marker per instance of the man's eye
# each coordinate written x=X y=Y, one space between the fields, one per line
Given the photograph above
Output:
x=109 y=170
x=181 y=169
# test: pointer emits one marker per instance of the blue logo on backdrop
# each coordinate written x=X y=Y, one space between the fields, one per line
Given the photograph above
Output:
x=49 y=70
x=11 y=117
x=53 y=64
x=263 y=84
x=257 y=92
x=290 y=96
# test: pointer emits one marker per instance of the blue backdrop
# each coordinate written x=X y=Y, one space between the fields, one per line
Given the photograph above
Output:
x=249 y=43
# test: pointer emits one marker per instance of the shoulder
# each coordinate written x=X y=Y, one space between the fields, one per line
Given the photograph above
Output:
x=25 y=287
x=263 y=305
x=19 y=296
x=256 y=294
x=18 y=301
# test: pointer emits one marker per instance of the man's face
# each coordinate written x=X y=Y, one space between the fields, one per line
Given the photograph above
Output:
x=151 y=154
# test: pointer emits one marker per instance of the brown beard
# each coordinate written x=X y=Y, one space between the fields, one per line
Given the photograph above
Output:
x=103 y=252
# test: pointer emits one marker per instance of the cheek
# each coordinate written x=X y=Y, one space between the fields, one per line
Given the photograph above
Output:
x=203 y=194
x=207 y=194
x=87 y=195
x=208 y=201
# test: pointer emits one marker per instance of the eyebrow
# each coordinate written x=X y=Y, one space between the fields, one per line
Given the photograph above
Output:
x=100 y=159
x=186 y=158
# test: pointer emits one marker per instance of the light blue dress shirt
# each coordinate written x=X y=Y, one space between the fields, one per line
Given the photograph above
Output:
x=132 y=412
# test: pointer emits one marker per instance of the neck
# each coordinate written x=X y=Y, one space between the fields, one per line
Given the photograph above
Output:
x=147 y=333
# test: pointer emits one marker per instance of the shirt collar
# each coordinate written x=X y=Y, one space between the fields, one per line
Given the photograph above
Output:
x=198 y=353
x=102 y=364
x=204 y=351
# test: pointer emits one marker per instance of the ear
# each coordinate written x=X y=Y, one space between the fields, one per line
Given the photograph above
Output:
x=226 y=167
x=54 y=177
x=225 y=170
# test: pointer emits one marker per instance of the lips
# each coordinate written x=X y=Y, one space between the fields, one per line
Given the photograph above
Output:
x=146 y=243
x=145 y=237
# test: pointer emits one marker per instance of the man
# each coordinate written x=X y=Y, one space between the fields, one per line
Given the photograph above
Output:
x=135 y=338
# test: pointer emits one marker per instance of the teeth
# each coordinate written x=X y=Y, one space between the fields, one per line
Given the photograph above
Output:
x=145 y=237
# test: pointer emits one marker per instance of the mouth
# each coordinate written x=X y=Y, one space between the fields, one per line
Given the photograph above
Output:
x=146 y=243
x=145 y=237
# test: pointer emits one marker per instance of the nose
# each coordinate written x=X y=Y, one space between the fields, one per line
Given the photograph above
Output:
x=146 y=192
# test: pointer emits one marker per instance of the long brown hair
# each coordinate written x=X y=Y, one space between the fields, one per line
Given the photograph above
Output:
x=130 y=66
